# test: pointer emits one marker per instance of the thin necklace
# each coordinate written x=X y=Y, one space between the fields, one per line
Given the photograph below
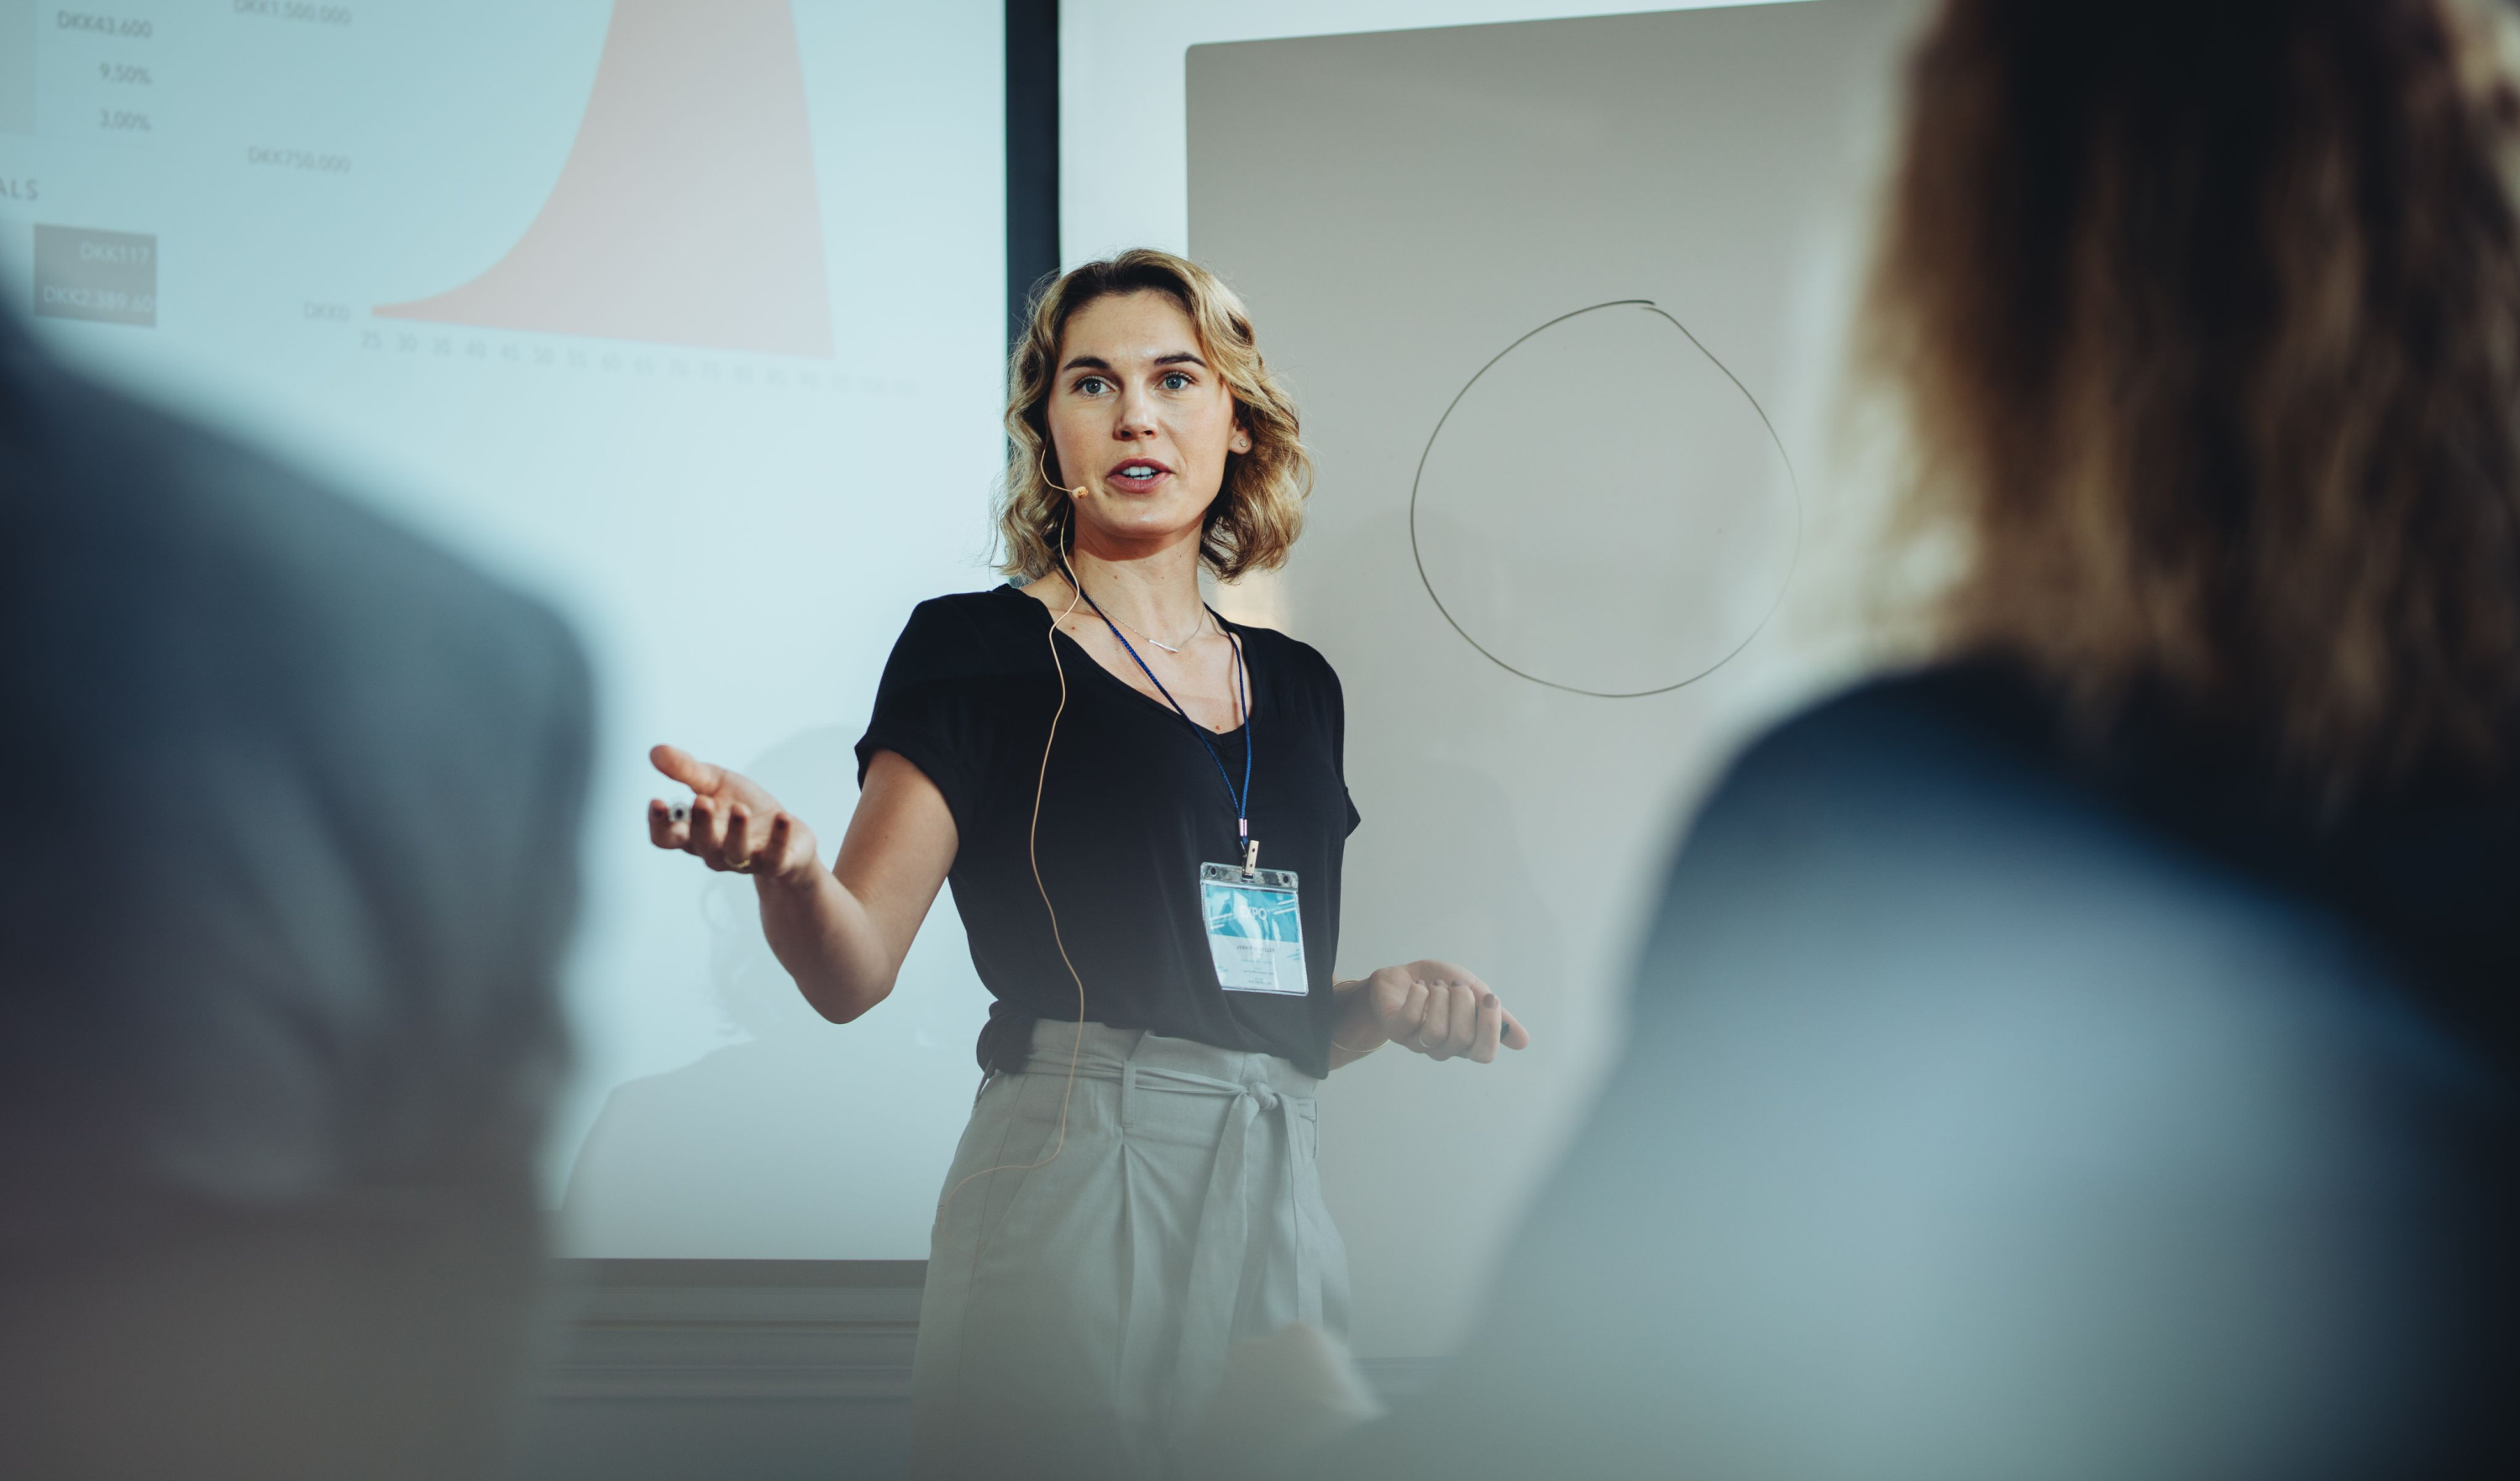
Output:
x=1173 y=648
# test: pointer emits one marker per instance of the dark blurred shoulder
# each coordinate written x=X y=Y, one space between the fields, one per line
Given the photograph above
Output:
x=1913 y=766
x=305 y=869
x=1929 y=1005
x=308 y=565
x=1919 y=718
x=1929 y=829
x=1910 y=755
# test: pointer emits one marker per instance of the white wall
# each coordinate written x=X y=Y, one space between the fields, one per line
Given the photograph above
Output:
x=1123 y=173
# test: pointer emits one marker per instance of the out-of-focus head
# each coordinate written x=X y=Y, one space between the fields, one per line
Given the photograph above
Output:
x=1224 y=432
x=2208 y=320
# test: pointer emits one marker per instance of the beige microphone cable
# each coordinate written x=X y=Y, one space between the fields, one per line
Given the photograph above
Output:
x=1076 y=1054
x=1032 y=850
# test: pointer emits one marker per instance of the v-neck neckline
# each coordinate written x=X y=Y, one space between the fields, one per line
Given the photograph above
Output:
x=1250 y=678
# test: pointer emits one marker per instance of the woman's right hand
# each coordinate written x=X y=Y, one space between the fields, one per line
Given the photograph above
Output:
x=843 y=931
x=735 y=824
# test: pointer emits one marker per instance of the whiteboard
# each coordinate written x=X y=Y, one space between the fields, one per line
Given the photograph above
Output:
x=1562 y=303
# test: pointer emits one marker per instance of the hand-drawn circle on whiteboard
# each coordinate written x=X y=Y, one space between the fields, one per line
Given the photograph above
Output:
x=1605 y=508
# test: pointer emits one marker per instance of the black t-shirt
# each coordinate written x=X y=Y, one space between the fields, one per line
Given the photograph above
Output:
x=1131 y=806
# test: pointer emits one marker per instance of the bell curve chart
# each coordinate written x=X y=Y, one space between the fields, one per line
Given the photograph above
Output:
x=686 y=211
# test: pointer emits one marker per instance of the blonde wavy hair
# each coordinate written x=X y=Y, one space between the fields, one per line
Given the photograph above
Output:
x=1258 y=510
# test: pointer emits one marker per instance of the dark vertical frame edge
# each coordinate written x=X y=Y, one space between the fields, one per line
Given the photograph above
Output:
x=1032 y=152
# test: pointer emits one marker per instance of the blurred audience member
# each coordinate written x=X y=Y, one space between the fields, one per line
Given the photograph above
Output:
x=2094 y=1057
x=285 y=880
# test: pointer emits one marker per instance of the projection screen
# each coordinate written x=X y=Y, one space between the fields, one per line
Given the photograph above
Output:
x=687 y=317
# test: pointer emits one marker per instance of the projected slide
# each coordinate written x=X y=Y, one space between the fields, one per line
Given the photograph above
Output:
x=687 y=317
x=687 y=212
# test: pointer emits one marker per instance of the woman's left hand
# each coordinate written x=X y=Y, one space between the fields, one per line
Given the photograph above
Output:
x=1433 y=1008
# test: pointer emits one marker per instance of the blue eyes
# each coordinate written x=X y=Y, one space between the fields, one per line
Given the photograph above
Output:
x=1095 y=385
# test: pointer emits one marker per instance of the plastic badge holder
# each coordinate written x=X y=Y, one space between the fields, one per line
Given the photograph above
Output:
x=1254 y=930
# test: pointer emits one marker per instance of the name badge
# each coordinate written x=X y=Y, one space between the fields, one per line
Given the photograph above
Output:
x=1254 y=930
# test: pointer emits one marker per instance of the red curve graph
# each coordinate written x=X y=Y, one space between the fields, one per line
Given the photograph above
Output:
x=685 y=212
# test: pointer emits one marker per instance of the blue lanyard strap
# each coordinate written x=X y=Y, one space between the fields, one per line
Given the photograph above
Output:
x=1242 y=802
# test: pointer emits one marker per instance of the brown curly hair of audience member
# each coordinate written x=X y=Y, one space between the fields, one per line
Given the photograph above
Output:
x=2206 y=319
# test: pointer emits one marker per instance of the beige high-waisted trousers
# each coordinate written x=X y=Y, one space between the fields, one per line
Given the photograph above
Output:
x=1077 y=1313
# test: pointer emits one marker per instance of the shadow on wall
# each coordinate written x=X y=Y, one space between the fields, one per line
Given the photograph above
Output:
x=788 y=1143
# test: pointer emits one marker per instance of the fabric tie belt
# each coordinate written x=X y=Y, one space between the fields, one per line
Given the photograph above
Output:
x=1251 y=1198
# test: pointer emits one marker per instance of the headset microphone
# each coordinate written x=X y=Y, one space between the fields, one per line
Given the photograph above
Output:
x=1072 y=493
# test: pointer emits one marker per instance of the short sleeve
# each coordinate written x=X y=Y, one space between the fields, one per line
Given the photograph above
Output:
x=1334 y=699
x=929 y=707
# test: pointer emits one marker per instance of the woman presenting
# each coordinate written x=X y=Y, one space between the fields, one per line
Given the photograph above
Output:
x=1141 y=809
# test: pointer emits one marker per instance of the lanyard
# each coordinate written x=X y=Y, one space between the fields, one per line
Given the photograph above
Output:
x=1242 y=801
